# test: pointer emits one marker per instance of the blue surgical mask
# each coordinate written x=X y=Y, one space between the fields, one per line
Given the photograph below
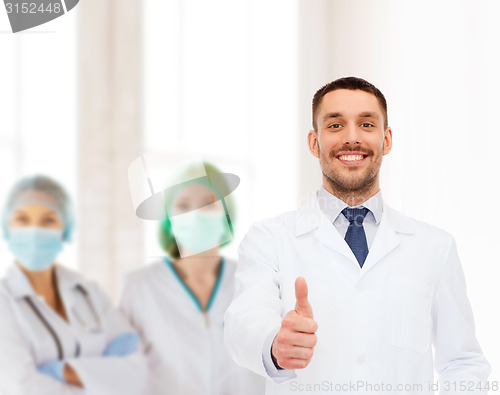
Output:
x=34 y=247
x=199 y=231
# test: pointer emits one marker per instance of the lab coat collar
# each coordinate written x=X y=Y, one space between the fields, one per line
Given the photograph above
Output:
x=392 y=224
x=19 y=285
x=310 y=217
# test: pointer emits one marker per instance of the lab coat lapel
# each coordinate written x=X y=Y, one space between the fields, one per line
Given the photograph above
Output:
x=385 y=241
x=387 y=238
x=17 y=283
x=330 y=237
x=310 y=218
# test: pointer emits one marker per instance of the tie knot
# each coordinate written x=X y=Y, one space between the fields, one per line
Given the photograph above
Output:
x=356 y=215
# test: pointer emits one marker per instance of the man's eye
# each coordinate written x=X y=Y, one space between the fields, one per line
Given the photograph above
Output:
x=366 y=125
x=335 y=126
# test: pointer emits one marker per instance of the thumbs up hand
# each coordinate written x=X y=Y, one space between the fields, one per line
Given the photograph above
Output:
x=302 y=306
x=293 y=345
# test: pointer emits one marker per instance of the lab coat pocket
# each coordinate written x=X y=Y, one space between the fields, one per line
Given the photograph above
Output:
x=408 y=315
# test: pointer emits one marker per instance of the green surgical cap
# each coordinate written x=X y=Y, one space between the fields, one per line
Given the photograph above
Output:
x=186 y=176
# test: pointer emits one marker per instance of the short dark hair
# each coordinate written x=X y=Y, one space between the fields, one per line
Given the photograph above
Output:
x=350 y=83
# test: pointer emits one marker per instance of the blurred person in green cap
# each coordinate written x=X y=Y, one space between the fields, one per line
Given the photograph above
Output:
x=178 y=303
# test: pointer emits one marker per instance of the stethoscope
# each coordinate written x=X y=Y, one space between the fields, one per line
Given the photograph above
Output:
x=53 y=333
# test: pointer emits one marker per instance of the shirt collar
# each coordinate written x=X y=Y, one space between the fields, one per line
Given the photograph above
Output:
x=332 y=206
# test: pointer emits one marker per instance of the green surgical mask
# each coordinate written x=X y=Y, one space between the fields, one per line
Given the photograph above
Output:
x=199 y=231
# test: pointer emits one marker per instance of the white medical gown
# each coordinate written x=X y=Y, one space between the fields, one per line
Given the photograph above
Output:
x=27 y=342
x=184 y=343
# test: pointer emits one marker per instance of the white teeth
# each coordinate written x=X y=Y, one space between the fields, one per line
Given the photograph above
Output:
x=351 y=157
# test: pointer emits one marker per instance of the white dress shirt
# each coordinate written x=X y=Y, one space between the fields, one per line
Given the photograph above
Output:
x=332 y=207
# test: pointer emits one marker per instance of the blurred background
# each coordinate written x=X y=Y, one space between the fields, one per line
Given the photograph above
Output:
x=83 y=96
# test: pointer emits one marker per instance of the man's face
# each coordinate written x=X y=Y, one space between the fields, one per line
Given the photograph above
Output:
x=351 y=140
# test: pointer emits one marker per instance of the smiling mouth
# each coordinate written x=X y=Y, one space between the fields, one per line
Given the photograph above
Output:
x=352 y=157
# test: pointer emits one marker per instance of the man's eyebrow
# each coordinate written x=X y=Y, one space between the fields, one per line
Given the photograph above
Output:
x=368 y=114
x=364 y=114
x=332 y=115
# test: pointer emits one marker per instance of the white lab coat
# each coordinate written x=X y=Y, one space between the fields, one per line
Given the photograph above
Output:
x=25 y=342
x=185 y=345
x=375 y=324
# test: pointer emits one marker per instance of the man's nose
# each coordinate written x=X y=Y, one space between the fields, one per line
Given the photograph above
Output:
x=352 y=135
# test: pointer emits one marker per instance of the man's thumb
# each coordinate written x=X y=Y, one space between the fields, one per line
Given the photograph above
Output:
x=302 y=305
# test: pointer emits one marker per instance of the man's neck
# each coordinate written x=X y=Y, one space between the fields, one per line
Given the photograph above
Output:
x=353 y=198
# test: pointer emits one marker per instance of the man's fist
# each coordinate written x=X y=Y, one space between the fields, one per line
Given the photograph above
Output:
x=293 y=345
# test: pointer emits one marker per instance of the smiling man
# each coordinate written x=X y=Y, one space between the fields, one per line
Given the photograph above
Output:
x=346 y=294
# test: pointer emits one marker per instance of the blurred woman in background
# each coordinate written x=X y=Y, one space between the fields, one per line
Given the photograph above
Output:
x=178 y=303
x=59 y=332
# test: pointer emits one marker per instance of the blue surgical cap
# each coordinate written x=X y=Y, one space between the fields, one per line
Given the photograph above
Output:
x=40 y=189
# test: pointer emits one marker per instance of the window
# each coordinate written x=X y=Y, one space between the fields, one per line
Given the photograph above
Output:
x=38 y=116
x=221 y=82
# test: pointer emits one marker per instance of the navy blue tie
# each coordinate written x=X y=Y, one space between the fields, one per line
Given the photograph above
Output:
x=355 y=235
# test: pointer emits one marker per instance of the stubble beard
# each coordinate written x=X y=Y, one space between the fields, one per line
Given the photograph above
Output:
x=354 y=184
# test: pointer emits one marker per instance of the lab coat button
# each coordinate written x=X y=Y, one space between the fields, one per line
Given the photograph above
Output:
x=361 y=360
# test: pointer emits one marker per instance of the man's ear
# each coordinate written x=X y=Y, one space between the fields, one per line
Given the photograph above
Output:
x=312 y=142
x=387 y=140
